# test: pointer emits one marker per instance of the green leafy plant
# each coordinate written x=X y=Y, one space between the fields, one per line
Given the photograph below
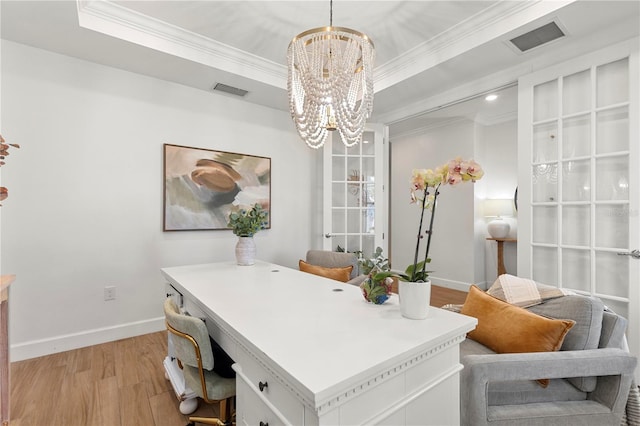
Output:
x=376 y=288
x=378 y=262
x=245 y=223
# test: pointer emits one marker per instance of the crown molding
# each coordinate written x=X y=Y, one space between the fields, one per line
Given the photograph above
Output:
x=491 y=23
x=117 y=21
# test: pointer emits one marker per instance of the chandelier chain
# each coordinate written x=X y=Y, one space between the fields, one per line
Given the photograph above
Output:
x=331 y=13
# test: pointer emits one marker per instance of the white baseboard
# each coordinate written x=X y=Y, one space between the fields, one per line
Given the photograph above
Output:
x=456 y=285
x=66 y=342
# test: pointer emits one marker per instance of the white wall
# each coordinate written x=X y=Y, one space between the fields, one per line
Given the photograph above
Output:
x=85 y=210
x=499 y=157
x=453 y=251
x=460 y=254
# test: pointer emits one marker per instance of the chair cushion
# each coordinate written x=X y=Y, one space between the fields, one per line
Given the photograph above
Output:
x=218 y=388
x=339 y=274
x=587 y=313
x=505 y=328
x=613 y=330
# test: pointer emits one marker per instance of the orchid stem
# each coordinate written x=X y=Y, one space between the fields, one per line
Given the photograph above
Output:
x=430 y=231
x=415 y=258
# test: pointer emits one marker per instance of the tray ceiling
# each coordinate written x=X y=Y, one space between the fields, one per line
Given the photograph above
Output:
x=427 y=52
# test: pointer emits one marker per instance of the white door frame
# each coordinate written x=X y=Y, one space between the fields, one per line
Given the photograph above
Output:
x=381 y=133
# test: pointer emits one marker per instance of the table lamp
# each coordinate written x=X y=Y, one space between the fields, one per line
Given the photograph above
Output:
x=497 y=209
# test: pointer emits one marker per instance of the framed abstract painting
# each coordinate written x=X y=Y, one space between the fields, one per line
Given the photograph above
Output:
x=202 y=186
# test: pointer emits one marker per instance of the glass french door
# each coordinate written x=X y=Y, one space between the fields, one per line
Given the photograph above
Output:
x=355 y=205
x=578 y=171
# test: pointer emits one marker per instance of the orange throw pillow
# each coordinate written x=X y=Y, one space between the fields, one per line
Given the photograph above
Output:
x=339 y=274
x=506 y=328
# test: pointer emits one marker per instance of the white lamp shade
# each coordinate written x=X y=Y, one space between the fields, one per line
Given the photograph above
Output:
x=497 y=207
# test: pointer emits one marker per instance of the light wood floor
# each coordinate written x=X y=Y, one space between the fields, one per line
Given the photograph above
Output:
x=113 y=384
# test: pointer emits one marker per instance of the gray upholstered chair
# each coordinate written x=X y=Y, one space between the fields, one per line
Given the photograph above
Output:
x=590 y=375
x=195 y=357
x=334 y=259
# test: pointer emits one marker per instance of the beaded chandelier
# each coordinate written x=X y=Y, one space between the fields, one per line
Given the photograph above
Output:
x=330 y=83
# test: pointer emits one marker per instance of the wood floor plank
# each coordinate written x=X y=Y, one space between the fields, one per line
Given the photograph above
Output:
x=79 y=360
x=23 y=374
x=441 y=296
x=47 y=383
x=103 y=361
x=107 y=409
x=75 y=400
x=126 y=362
x=151 y=346
x=165 y=408
x=135 y=408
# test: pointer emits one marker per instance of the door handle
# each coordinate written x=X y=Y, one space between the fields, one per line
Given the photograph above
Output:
x=633 y=253
x=328 y=235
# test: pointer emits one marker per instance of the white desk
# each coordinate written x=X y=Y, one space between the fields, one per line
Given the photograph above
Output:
x=327 y=356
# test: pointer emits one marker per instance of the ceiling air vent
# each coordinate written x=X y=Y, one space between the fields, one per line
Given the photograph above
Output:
x=538 y=37
x=229 y=89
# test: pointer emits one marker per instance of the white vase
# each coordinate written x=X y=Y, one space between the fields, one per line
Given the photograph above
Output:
x=414 y=299
x=246 y=251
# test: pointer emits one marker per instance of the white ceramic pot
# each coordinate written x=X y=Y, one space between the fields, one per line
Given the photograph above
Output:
x=246 y=251
x=414 y=299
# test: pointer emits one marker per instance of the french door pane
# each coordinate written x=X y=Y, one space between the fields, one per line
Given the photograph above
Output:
x=545 y=265
x=576 y=180
x=613 y=83
x=612 y=226
x=577 y=269
x=612 y=178
x=612 y=130
x=576 y=136
x=575 y=219
x=576 y=93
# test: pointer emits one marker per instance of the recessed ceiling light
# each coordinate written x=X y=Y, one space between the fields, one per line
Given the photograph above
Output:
x=491 y=97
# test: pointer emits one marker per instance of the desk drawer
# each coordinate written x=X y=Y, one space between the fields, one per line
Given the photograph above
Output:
x=175 y=295
x=251 y=410
x=272 y=390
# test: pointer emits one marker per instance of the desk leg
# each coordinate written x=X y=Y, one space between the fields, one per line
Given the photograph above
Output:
x=501 y=268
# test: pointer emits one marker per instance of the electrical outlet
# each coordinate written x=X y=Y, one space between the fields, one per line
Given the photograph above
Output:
x=110 y=293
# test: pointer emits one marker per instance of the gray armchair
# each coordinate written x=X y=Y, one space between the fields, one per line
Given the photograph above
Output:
x=590 y=375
